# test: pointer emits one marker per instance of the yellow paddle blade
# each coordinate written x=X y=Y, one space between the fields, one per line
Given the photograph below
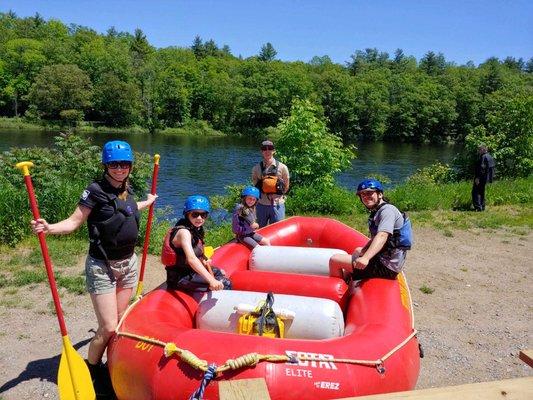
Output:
x=73 y=380
x=208 y=251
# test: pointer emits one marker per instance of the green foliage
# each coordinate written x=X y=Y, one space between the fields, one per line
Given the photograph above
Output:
x=419 y=195
x=72 y=117
x=12 y=222
x=230 y=200
x=59 y=177
x=117 y=101
x=27 y=277
x=58 y=88
x=317 y=198
x=507 y=132
x=267 y=53
x=74 y=284
x=193 y=128
x=426 y=289
x=435 y=173
x=311 y=152
x=217 y=235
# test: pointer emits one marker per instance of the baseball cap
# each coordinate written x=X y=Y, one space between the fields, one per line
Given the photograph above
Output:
x=266 y=143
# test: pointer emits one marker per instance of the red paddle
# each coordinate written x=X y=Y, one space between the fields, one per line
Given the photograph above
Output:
x=74 y=380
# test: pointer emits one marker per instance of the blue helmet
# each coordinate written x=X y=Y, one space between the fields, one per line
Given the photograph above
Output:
x=116 y=150
x=196 y=202
x=250 y=191
x=370 y=184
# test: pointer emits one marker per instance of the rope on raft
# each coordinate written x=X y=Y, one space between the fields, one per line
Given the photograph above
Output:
x=208 y=376
x=252 y=359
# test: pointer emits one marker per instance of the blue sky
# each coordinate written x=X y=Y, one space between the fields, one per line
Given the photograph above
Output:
x=462 y=30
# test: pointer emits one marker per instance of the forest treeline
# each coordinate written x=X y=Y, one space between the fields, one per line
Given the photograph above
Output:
x=50 y=71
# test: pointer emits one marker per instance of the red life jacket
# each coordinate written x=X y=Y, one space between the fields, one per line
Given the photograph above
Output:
x=169 y=258
x=168 y=255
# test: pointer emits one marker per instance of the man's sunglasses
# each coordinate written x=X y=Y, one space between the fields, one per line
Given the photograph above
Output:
x=196 y=214
x=267 y=148
x=116 y=164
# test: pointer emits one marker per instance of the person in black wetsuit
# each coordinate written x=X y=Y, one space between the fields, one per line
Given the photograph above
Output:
x=112 y=216
x=483 y=174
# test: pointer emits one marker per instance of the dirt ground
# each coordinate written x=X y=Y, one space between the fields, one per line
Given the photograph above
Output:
x=472 y=326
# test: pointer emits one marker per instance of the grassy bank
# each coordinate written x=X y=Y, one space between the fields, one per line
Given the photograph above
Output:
x=193 y=128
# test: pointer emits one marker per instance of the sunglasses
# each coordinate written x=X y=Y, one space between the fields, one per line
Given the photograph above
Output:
x=196 y=214
x=263 y=148
x=116 y=164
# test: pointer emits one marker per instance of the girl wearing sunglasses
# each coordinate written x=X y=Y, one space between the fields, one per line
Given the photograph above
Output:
x=193 y=270
x=112 y=216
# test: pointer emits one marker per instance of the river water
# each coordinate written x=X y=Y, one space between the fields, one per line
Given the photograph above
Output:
x=205 y=165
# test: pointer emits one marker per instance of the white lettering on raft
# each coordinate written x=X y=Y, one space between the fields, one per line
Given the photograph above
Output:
x=299 y=373
x=313 y=360
x=327 y=385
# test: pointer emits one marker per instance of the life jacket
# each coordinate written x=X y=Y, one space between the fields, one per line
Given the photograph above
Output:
x=401 y=238
x=172 y=257
x=116 y=236
x=270 y=182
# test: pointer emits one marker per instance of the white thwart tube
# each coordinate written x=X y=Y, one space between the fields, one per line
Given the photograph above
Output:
x=296 y=260
x=312 y=317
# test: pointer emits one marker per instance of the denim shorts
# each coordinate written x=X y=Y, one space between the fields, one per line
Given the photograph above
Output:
x=101 y=279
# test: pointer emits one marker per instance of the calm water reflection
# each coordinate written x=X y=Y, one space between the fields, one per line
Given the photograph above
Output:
x=205 y=165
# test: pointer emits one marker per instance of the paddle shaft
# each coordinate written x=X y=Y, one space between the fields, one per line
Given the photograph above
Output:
x=148 y=224
x=46 y=257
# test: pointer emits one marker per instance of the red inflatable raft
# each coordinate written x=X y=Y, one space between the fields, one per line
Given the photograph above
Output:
x=338 y=342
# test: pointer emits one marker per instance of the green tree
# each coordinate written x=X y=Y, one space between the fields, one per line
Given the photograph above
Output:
x=267 y=90
x=336 y=92
x=198 y=47
x=433 y=64
x=492 y=78
x=529 y=66
x=508 y=132
x=141 y=54
x=401 y=62
x=23 y=60
x=311 y=152
x=267 y=53
x=116 y=101
x=422 y=109
x=58 y=88
x=371 y=58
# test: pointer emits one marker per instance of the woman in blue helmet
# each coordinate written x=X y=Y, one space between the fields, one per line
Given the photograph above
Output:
x=193 y=269
x=390 y=237
x=112 y=216
x=244 y=221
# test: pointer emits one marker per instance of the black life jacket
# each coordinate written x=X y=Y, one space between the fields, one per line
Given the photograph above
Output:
x=401 y=238
x=115 y=237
